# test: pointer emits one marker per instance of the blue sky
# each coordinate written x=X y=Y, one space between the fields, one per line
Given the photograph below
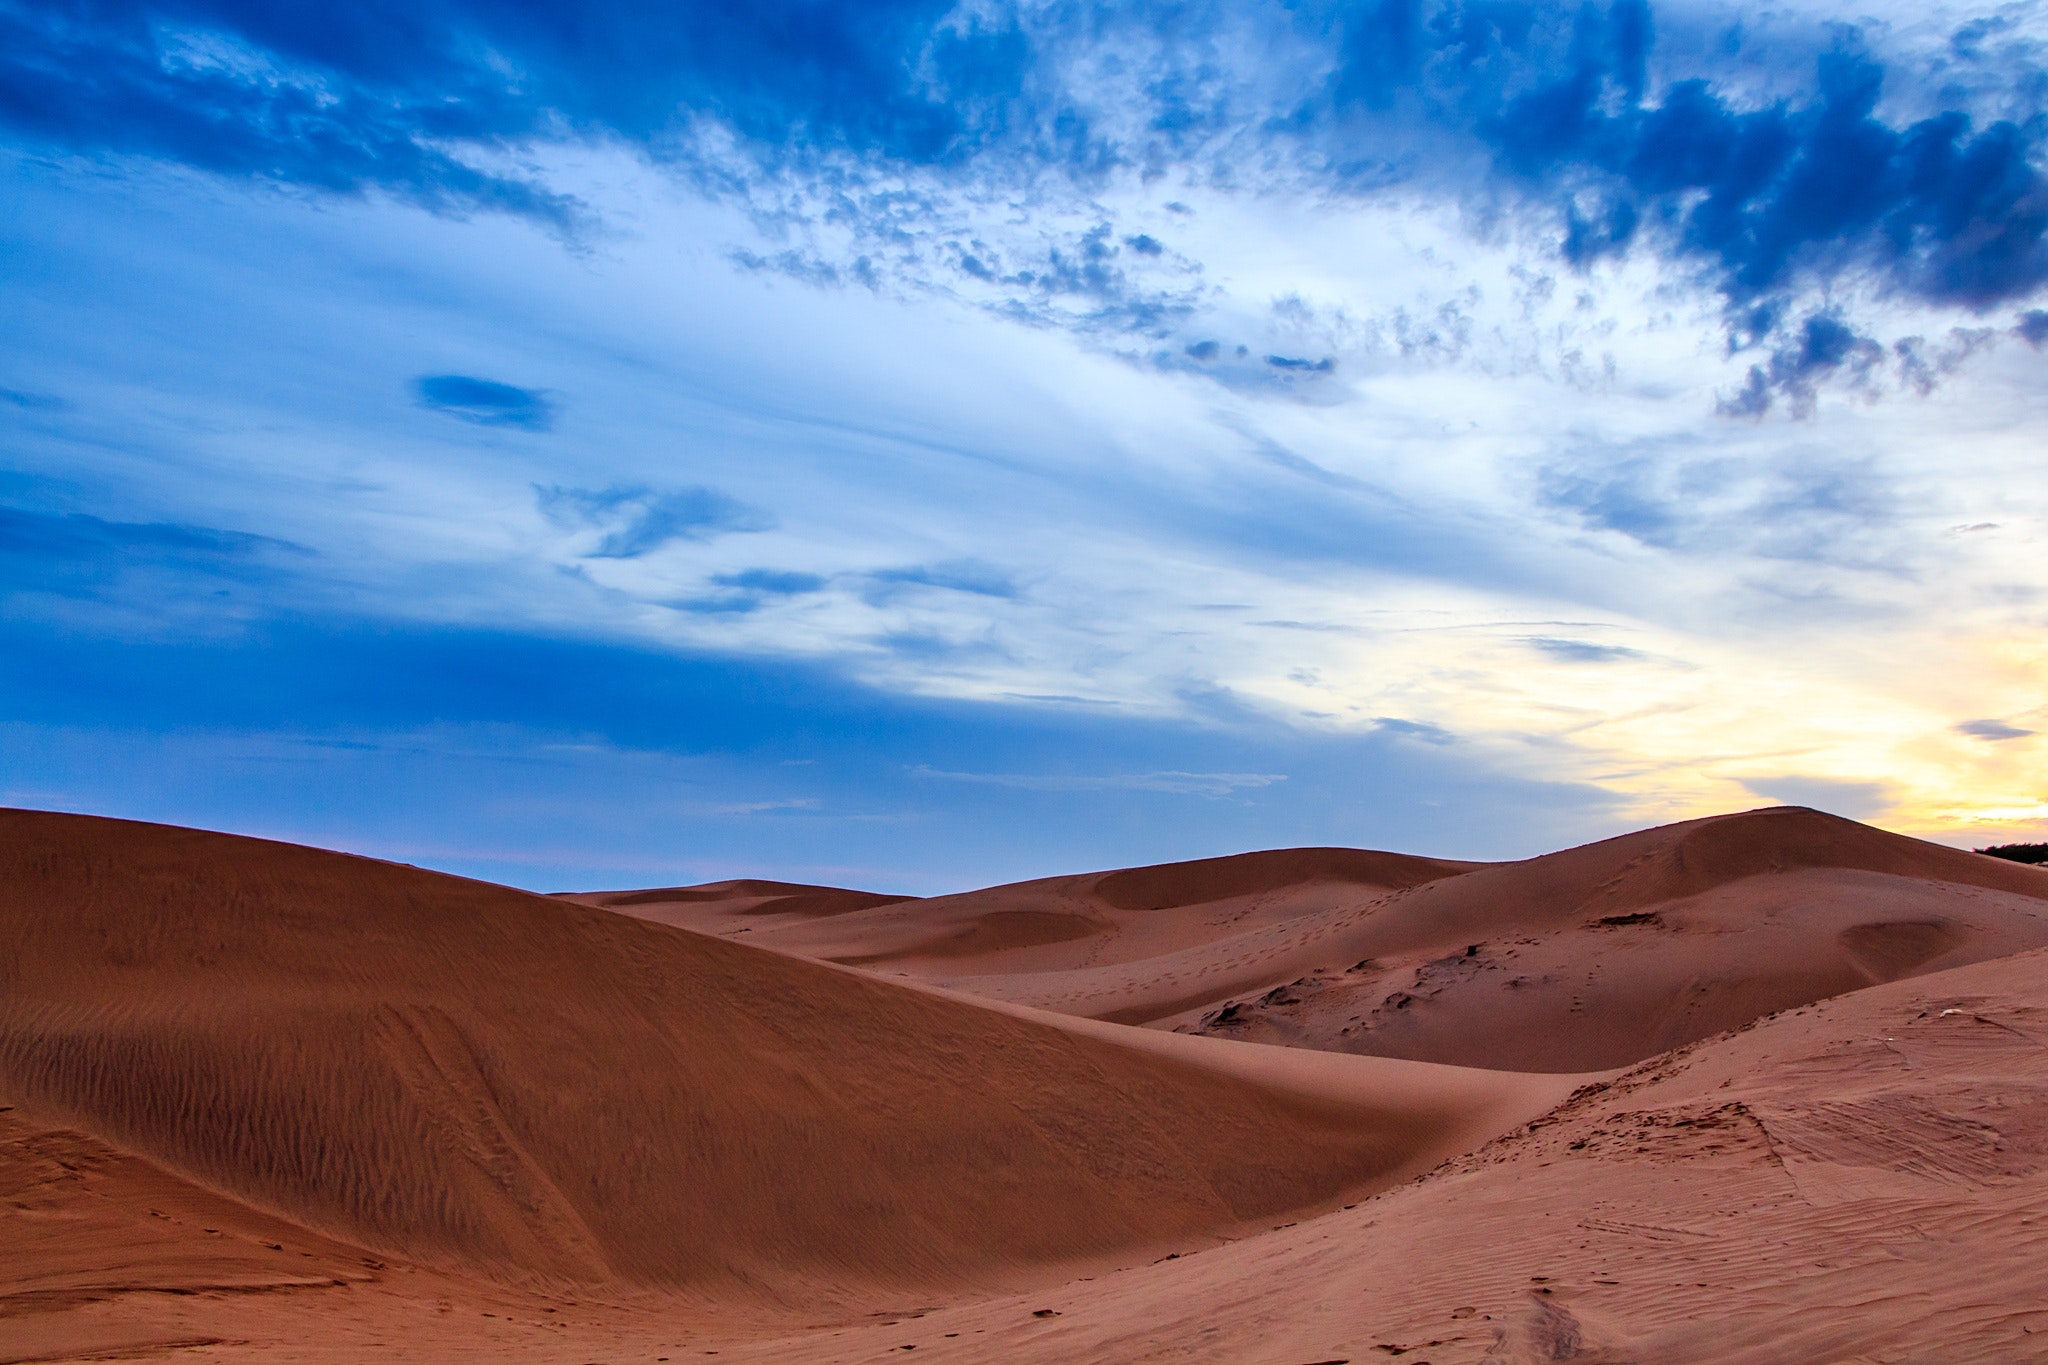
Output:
x=921 y=445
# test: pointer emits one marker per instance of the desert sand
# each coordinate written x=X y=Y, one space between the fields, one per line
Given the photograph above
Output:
x=1765 y=1087
x=1594 y=957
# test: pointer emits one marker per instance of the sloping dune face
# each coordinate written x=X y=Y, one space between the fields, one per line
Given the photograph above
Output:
x=1591 y=958
x=1055 y=924
x=1865 y=1179
x=1605 y=955
x=469 y=1075
x=741 y=901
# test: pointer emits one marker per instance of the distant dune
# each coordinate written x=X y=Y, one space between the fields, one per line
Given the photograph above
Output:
x=483 y=1079
x=739 y=899
x=1595 y=957
x=261 y=1101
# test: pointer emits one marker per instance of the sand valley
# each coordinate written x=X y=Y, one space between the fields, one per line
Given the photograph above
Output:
x=1766 y=1087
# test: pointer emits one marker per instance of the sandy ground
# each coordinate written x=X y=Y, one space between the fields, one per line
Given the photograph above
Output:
x=1594 y=957
x=269 y=1103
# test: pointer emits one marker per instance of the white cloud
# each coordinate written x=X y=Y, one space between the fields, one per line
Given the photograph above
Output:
x=1498 y=444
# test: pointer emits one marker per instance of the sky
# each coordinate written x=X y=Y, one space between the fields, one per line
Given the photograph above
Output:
x=920 y=445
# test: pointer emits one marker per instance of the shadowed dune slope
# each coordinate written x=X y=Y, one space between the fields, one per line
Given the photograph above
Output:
x=742 y=899
x=1590 y=958
x=476 y=1077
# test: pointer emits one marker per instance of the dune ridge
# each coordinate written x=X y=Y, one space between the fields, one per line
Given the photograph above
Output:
x=259 y=1101
x=475 y=1077
x=1124 y=915
x=1862 y=1179
x=1589 y=958
x=745 y=896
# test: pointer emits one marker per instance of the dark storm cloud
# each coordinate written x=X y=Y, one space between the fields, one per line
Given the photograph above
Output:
x=352 y=96
x=1821 y=348
x=115 y=77
x=1943 y=207
x=1577 y=115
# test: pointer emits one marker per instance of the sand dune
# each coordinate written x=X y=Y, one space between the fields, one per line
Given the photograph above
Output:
x=1051 y=924
x=89 y=1225
x=477 y=1078
x=265 y=1102
x=1861 y=1180
x=735 y=903
x=1591 y=958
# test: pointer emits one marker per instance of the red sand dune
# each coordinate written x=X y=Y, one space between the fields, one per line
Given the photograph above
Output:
x=1052 y=924
x=1864 y=1179
x=1594 y=957
x=259 y=1101
x=737 y=901
x=483 y=1079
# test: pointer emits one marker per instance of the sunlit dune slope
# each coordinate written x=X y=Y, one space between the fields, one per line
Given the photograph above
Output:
x=1864 y=1179
x=476 y=1077
x=1861 y=1179
x=1053 y=924
x=1590 y=958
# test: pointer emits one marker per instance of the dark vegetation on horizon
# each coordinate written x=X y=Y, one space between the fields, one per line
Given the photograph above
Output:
x=2019 y=853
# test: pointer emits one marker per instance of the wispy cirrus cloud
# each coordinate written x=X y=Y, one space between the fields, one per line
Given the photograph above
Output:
x=1995 y=731
x=79 y=554
x=1408 y=375
x=964 y=575
x=637 y=521
x=1583 y=651
x=1172 y=783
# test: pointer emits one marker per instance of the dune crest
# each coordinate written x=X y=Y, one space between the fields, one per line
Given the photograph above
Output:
x=478 y=1078
x=1861 y=1179
x=259 y=1099
x=1590 y=958
x=1128 y=915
